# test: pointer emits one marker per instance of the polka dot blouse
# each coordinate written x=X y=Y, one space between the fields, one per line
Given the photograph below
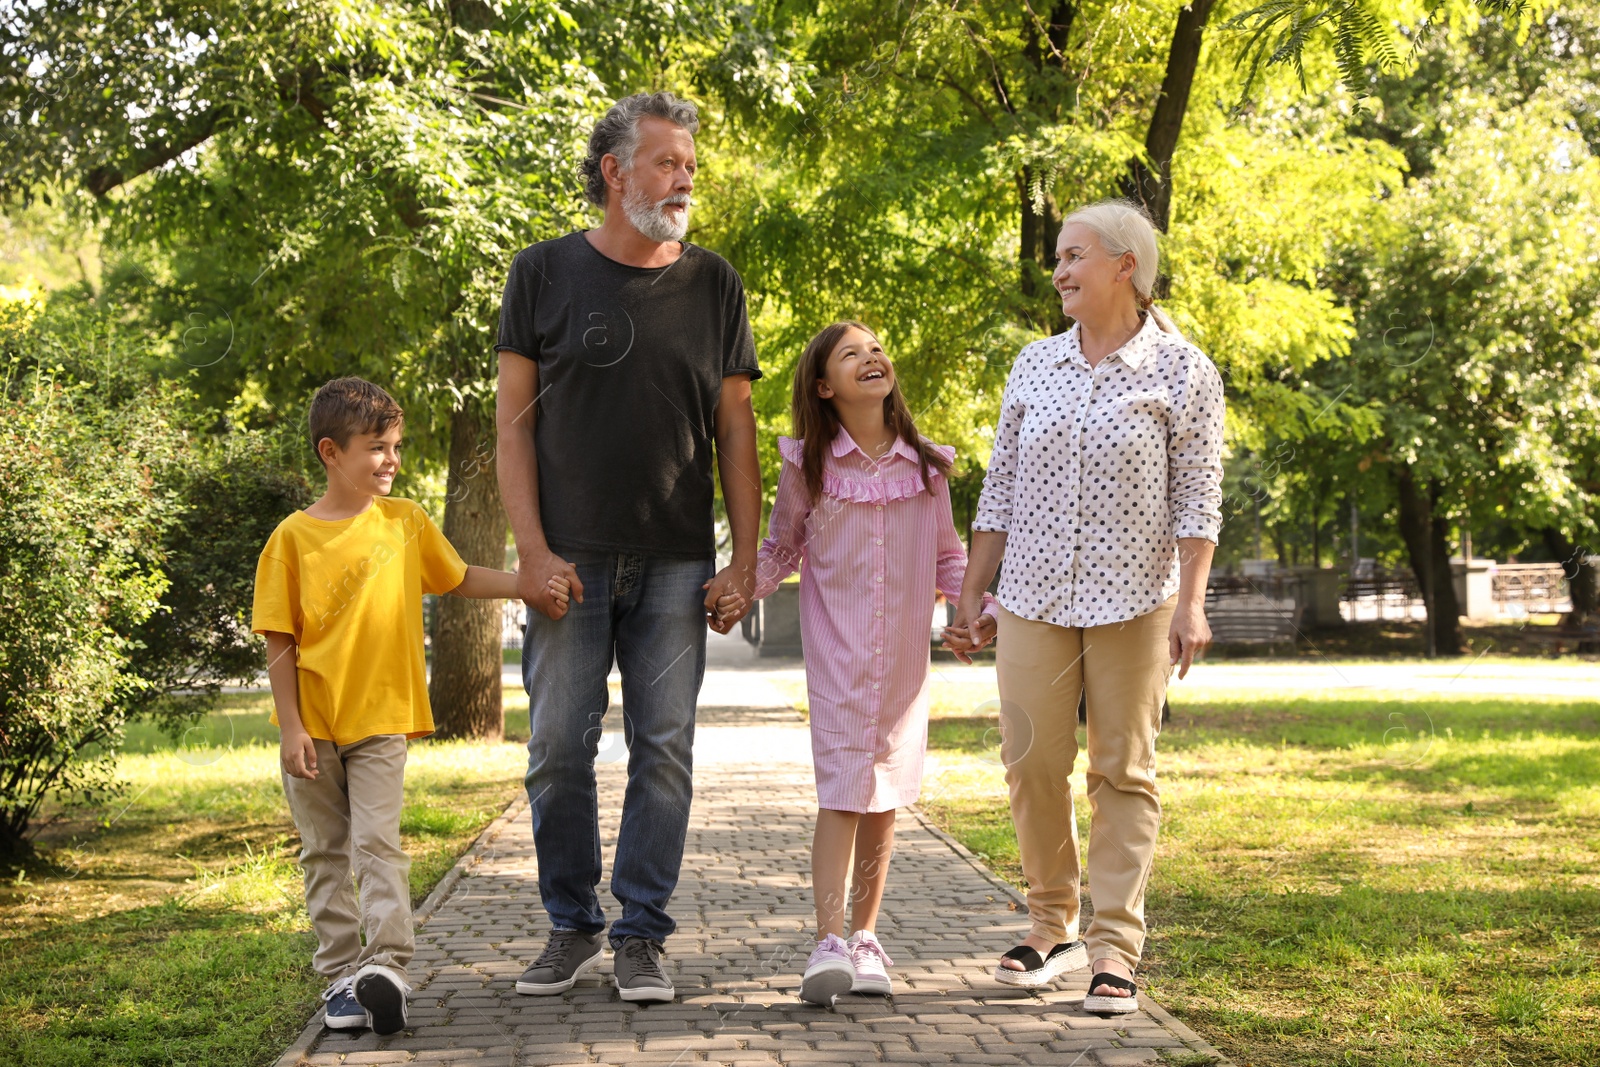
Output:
x=1096 y=473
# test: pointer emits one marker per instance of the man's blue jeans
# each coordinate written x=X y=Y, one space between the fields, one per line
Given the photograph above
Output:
x=648 y=614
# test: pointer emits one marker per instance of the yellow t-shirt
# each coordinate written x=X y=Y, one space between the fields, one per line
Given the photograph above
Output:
x=350 y=593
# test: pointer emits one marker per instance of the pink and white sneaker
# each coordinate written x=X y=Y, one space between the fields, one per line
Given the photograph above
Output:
x=871 y=964
x=829 y=972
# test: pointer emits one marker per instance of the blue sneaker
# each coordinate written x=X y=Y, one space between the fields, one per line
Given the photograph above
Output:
x=343 y=1012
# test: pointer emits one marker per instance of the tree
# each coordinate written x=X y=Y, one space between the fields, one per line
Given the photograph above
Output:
x=1477 y=316
x=339 y=189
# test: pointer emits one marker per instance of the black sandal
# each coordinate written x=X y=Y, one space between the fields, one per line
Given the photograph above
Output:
x=1038 y=971
x=1103 y=1005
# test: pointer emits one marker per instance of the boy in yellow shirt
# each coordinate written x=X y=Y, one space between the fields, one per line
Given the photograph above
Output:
x=339 y=598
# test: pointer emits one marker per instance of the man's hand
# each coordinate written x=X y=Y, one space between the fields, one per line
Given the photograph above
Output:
x=729 y=596
x=543 y=582
x=298 y=754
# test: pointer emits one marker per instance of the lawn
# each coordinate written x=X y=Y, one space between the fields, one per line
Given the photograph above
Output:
x=1368 y=880
x=166 y=925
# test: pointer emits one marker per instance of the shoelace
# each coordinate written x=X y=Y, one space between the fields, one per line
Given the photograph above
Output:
x=555 y=953
x=863 y=945
x=639 y=951
x=347 y=984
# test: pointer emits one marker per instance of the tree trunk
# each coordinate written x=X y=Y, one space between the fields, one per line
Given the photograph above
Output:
x=1427 y=544
x=1150 y=181
x=1580 y=567
x=1039 y=227
x=465 y=688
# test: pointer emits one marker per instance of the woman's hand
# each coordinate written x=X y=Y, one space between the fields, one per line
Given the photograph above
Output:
x=1189 y=635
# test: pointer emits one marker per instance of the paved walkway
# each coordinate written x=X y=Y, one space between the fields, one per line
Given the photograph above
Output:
x=743 y=908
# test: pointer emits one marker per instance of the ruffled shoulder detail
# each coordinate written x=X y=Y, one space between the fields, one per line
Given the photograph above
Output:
x=862 y=487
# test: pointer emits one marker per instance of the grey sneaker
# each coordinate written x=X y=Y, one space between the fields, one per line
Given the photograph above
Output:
x=567 y=957
x=637 y=965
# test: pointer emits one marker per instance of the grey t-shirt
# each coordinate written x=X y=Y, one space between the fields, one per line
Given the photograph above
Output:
x=631 y=362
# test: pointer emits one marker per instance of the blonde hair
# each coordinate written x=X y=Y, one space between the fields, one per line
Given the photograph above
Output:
x=1123 y=226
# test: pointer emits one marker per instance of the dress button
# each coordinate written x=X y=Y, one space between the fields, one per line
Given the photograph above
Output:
x=880 y=541
x=880 y=614
x=877 y=651
x=880 y=578
x=879 y=507
x=875 y=685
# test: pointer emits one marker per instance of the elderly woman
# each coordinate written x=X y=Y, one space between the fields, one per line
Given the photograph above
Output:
x=1103 y=499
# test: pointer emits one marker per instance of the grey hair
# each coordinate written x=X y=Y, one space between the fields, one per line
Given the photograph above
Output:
x=617 y=134
x=1124 y=226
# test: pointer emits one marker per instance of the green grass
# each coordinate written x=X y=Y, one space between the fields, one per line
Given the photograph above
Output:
x=167 y=925
x=1382 y=880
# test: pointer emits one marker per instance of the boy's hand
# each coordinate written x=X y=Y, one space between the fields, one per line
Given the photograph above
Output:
x=298 y=753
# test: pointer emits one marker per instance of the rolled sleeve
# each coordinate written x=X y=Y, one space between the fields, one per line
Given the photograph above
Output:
x=1194 y=456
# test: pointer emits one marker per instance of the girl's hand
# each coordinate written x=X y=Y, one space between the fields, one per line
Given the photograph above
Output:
x=958 y=639
x=730 y=605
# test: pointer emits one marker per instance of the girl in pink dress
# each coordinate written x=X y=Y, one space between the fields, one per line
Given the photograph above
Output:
x=863 y=503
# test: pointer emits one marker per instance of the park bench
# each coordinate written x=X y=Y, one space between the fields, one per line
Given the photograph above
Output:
x=1252 y=619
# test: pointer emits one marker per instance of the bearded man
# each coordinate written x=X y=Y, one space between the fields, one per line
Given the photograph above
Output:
x=626 y=360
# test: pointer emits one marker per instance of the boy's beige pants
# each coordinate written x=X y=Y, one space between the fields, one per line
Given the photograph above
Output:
x=1122 y=669
x=349 y=822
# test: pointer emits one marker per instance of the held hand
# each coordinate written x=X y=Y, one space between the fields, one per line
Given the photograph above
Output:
x=729 y=596
x=958 y=639
x=984 y=627
x=298 y=754
x=964 y=640
x=1189 y=636
x=545 y=581
x=958 y=635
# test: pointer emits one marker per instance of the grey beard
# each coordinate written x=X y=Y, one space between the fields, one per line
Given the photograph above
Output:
x=652 y=220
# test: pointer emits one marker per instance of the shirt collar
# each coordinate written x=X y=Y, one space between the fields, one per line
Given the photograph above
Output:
x=843 y=444
x=1131 y=354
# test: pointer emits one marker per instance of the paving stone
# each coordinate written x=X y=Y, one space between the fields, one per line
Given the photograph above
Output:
x=744 y=914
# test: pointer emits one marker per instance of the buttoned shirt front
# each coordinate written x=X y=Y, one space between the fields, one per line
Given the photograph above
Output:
x=1098 y=471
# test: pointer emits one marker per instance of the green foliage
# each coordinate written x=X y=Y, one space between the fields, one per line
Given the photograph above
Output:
x=229 y=494
x=80 y=540
x=1360 y=34
x=127 y=550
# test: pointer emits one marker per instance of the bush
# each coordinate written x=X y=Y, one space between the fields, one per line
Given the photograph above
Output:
x=230 y=492
x=80 y=537
x=127 y=556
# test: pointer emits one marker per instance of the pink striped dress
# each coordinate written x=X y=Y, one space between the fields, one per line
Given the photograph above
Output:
x=870 y=551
